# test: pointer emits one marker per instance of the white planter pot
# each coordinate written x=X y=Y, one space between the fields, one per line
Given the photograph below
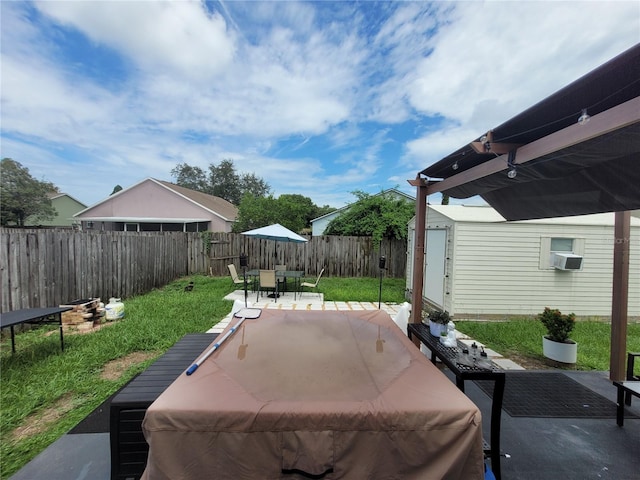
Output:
x=436 y=328
x=560 y=352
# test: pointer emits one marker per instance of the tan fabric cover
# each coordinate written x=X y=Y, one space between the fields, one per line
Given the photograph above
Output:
x=314 y=392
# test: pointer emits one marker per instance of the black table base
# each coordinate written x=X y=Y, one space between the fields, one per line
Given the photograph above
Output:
x=467 y=366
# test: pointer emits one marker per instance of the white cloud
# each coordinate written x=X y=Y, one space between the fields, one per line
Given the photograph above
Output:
x=495 y=59
x=505 y=57
x=197 y=86
x=181 y=37
x=37 y=100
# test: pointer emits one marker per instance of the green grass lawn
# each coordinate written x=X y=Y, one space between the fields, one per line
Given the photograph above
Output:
x=44 y=393
x=522 y=339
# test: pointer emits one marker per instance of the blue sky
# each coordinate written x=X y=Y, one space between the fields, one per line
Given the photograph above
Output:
x=318 y=98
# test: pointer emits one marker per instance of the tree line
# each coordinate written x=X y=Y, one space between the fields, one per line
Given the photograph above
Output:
x=380 y=216
x=252 y=195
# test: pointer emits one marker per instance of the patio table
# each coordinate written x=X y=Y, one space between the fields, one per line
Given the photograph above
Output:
x=36 y=316
x=314 y=394
x=464 y=368
x=296 y=275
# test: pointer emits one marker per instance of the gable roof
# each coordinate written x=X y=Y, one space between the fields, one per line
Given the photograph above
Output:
x=55 y=195
x=217 y=205
x=212 y=204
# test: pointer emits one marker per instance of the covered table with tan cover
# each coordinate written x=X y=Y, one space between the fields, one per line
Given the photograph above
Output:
x=329 y=394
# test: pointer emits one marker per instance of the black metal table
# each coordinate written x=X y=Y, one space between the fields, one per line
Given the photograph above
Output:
x=283 y=275
x=34 y=316
x=464 y=368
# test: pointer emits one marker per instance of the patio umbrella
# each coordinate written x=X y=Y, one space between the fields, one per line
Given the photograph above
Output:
x=277 y=233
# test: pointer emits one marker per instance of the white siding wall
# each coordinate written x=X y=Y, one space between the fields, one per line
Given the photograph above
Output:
x=319 y=226
x=496 y=271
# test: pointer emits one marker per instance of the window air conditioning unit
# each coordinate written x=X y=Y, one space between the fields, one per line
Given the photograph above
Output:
x=567 y=261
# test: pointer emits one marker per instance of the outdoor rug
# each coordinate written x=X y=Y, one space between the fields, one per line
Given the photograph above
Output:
x=552 y=395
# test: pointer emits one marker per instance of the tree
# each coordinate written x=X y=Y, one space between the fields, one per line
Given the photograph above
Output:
x=225 y=182
x=290 y=210
x=296 y=210
x=222 y=181
x=116 y=189
x=378 y=216
x=250 y=183
x=22 y=196
x=190 y=177
x=255 y=211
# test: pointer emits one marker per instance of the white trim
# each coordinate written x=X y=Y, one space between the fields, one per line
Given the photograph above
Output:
x=143 y=219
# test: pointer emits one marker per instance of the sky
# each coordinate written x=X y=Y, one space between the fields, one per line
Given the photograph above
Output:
x=317 y=98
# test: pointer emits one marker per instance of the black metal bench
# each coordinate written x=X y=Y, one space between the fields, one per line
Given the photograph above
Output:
x=627 y=388
x=129 y=448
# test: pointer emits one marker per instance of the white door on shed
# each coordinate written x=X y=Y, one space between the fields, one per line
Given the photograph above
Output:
x=436 y=247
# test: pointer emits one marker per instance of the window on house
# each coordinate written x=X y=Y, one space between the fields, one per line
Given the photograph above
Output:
x=173 y=227
x=130 y=227
x=149 y=227
x=551 y=245
x=560 y=245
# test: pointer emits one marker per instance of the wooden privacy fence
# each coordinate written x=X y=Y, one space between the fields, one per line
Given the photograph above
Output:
x=43 y=268
x=48 y=267
x=340 y=256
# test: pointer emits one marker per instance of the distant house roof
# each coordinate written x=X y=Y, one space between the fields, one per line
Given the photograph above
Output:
x=210 y=203
x=64 y=205
x=54 y=195
x=217 y=205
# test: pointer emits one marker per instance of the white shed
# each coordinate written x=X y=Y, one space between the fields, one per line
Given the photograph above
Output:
x=478 y=265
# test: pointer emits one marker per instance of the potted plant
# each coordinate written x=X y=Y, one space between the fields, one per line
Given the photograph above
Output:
x=438 y=320
x=556 y=344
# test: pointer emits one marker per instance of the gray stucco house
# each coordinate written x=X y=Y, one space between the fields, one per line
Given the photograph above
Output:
x=158 y=206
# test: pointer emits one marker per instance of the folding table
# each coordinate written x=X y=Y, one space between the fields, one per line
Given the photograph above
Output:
x=36 y=316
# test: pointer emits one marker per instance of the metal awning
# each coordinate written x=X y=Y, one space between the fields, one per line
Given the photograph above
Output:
x=562 y=167
x=576 y=152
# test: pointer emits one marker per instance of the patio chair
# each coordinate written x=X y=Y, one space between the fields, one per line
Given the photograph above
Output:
x=234 y=275
x=309 y=284
x=631 y=377
x=267 y=281
x=281 y=280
